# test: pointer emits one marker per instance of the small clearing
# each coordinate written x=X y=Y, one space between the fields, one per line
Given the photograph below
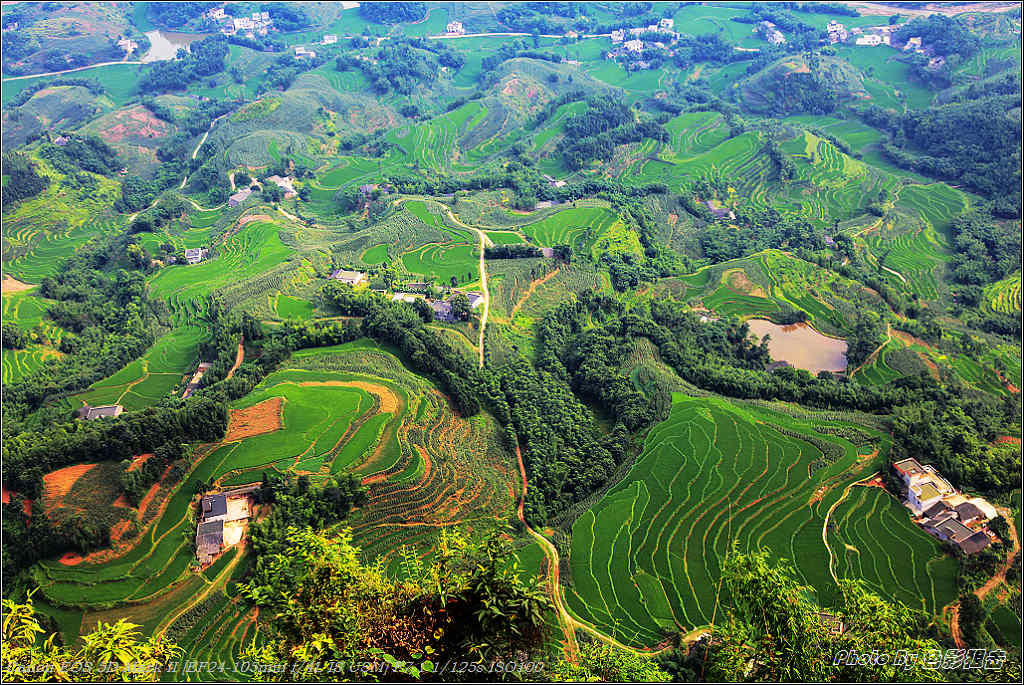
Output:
x=57 y=484
x=253 y=217
x=264 y=417
x=13 y=285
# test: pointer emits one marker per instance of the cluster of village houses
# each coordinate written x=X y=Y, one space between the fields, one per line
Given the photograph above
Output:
x=944 y=512
x=413 y=291
x=629 y=39
x=869 y=36
x=256 y=24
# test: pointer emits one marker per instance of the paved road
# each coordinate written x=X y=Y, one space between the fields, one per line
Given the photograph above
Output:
x=69 y=71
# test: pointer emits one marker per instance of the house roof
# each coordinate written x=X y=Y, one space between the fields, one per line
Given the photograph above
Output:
x=105 y=411
x=926 y=491
x=968 y=511
x=987 y=509
x=975 y=543
x=214 y=505
x=909 y=467
x=210 y=528
x=344 y=275
x=936 y=510
x=954 y=530
x=241 y=195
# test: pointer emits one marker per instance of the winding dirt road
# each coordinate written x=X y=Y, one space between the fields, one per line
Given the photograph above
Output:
x=485 y=242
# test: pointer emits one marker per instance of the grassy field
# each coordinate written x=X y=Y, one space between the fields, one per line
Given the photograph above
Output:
x=646 y=557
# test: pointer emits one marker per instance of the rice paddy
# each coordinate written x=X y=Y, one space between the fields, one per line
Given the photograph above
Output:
x=646 y=557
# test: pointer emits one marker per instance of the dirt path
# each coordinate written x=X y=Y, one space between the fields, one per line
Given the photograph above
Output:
x=828 y=514
x=202 y=140
x=68 y=71
x=485 y=242
x=1000 y=575
x=564 y=619
x=874 y=355
x=991 y=584
x=894 y=272
x=529 y=291
x=239 y=358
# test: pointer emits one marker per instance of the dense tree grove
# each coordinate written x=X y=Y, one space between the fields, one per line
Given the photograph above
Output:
x=107 y=319
x=593 y=134
x=203 y=58
x=975 y=142
x=773 y=631
x=467 y=603
x=945 y=35
x=392 y=12
x=23 y=179
x=89 y=153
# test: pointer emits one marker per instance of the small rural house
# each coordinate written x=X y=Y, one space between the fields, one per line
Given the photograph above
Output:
x=223 y=520
x=455 y=28
x=284 y=184
x=102 y=412
x=944 y=512
x=475 y=299
x=634 y=45
x=330 y=39
x=404 y=297
x=303 y=53
x=194 y=255
x=666 y=24
x=618 y=35
x=912 y=44
x=352 y=278
x=443 y=311
x=239 y=197
x=870 y=39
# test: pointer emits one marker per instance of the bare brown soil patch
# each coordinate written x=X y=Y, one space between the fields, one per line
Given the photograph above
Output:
x=1001 y=440
x=138 y=461
x=119 y=530
x=672 y=219
x=909 y=339
x=13 y=285
x=253 y=217
x=263 y=417
x=510 y=87
x=58 y=483
x=135 y=122
x=389 y=402
x=738 y=280
x=122 y=502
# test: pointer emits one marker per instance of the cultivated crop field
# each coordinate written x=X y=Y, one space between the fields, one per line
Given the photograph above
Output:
x=646 y=557
x=27 y=311
x=254 y=249
x=579 y=227
x=445 y=262
x=1004 y=296
x=145 y=381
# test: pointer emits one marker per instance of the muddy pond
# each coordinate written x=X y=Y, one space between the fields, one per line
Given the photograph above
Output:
x=801 y=346
x=163 y=45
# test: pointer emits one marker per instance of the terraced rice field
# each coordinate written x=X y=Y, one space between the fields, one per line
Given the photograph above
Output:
x=26 y=310
x=872 y=537
x=1004 y=296
x=444 y=262
x=432 y=145
x=646 y=557
x=695 y=132
x=38 y=244
x=145 y=381
x=254 y=249
x=918 y=256
x=580 y=227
